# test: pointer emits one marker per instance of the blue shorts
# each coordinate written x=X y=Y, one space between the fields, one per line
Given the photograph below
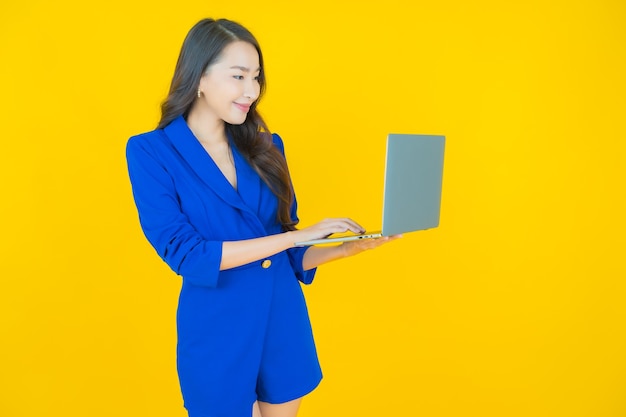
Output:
x=247 y=340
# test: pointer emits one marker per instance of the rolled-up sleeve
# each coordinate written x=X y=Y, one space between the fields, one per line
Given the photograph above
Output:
x=164 y=224
x=295 y=257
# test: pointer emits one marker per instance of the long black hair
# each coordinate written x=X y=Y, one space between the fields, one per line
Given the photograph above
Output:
x=202 y=47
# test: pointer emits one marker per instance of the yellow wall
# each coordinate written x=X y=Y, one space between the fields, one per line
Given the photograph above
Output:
x=513 y=307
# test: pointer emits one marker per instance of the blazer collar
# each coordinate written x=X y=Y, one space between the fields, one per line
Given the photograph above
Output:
x=246 y=197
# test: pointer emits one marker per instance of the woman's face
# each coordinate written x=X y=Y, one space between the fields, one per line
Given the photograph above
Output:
x=231 y=84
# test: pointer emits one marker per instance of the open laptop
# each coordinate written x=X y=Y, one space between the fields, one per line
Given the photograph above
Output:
x=412 y=189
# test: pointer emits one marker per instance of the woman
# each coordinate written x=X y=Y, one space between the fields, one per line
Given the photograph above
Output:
x=215 y=200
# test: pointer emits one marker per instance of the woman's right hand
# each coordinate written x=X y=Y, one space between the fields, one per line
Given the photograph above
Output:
x=326 y=228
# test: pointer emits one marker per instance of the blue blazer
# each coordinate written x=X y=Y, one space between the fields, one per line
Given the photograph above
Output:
x=187 y=209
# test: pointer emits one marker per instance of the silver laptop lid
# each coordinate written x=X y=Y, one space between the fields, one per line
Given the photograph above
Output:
x=413 y=181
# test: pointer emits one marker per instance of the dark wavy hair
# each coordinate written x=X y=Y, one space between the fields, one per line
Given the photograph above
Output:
x=202 y=47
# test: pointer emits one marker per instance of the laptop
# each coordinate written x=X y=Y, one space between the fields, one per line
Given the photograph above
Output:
x=412 y=187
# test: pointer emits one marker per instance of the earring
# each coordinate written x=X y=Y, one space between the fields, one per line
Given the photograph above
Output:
x=199 y=92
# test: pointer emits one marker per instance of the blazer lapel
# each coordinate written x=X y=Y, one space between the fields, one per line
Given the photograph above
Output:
x=248 y=182
x=201 y=162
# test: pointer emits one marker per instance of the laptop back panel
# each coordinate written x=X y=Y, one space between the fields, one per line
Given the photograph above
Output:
x=413 y=181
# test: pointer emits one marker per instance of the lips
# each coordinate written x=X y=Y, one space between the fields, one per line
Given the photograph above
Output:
x=243 y=107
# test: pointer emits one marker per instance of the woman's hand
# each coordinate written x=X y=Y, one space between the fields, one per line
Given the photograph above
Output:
x=326 y=228
x=318 y=255
x=357 y=246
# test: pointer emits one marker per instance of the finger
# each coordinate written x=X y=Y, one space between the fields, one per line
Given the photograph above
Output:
x=340 y=225
x=352 y=225
x=374 y=243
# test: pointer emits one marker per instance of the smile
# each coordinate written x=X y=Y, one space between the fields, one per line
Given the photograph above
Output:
x=243 y=107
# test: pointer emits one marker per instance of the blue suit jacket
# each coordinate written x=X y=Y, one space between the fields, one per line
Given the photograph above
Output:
x=187 y=208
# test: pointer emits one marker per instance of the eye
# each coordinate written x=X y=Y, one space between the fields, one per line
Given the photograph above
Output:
x=238 y=77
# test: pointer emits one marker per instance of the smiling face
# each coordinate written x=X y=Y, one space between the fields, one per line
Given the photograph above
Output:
x=231 y=84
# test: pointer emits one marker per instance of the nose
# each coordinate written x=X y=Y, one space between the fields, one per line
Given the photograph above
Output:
x=252 y=89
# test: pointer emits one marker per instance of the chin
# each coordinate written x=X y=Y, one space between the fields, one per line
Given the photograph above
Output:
x=235 y=120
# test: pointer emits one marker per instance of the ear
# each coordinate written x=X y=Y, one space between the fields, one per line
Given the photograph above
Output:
x=202 y=85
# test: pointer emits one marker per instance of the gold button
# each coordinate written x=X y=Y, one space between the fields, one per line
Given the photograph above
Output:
x=266 y=263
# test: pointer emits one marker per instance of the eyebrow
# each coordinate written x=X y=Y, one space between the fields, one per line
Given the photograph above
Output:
x=244 y=69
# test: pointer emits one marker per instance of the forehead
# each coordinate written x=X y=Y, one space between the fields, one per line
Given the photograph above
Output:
x=238 y=54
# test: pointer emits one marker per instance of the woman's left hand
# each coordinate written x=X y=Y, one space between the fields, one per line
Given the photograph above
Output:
x=357 y=246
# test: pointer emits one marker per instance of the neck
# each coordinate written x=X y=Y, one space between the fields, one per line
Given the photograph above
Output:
x=207 y=129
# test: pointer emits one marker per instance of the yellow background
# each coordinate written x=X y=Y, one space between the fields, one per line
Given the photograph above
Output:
x=514 y=306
